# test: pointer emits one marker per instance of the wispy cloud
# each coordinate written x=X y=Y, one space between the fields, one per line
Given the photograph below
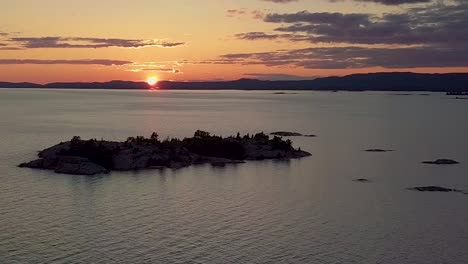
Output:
x=168 y=67
x=255 y=13
x=103 y=62
x=82 y=42
x=280 y=1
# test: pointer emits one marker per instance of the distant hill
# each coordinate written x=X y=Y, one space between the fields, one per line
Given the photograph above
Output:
x=19 y=85
x=394 y=81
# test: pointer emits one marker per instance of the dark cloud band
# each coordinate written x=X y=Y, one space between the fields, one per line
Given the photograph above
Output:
x=433 y=25
x=352 y=57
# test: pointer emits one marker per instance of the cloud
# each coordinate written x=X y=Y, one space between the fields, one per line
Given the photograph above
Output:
x=420 y=36
x=80 y=42
x=280 y=1
x=103 y=62
x=384 y=2
x=164 y=66
x=437 y=24
x=235 y=12
x=390 y=2
x=260 y=35
x=168 y=70
x=6 y=47
x=255 y=14
x=351 y=57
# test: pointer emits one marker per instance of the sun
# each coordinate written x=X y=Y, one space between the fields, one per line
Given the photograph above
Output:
x=152 y=81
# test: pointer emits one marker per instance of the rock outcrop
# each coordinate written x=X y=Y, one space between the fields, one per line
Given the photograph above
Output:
x=362 y=180
x=286 y=134
x=66 y=164
x=291 y=134
x=90 y=157
x=433 y=189
x=442 y=162
x=378 y=150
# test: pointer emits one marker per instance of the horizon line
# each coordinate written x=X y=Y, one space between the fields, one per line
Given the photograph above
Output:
x=233 y=80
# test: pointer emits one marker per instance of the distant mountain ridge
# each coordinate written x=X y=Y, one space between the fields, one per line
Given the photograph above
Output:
x=393 y=81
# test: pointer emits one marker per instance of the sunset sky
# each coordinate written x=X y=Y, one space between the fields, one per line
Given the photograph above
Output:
x=100 y=40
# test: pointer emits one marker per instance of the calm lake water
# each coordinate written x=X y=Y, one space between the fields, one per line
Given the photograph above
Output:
x=301 y=211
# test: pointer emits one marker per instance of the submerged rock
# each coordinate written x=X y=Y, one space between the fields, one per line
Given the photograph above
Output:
x=291 y=134
x=362 y=180
x=90 y=157
x=433 y=189
x=442 y=162
x=286 y=134
x=378 y=150
x=281 y=93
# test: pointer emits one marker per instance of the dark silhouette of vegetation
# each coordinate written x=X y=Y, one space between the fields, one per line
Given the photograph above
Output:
x=204 y=144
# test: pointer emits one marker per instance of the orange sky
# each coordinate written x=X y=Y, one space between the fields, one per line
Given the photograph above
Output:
x=173 y=40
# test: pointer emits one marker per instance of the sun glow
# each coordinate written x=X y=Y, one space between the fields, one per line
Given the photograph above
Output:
x=152 y=81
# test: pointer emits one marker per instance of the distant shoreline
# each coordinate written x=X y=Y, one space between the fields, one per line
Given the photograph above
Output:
x=390 y=82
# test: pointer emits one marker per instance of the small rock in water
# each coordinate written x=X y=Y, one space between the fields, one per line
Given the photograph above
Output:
x=442 y=162
x=378 y=150
x=362 y=180
x=433 y=189
x=286 y=134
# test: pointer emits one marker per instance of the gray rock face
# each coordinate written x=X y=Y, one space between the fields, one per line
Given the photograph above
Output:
x=78 y=166
x=54 y=150
x=442 y=162
x=66 y=165
x=35 y=164
x=128 y=160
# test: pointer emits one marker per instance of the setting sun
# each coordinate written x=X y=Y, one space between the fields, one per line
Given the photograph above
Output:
x=152 y=81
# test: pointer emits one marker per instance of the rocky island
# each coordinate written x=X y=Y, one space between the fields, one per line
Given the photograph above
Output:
x=90 y=157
